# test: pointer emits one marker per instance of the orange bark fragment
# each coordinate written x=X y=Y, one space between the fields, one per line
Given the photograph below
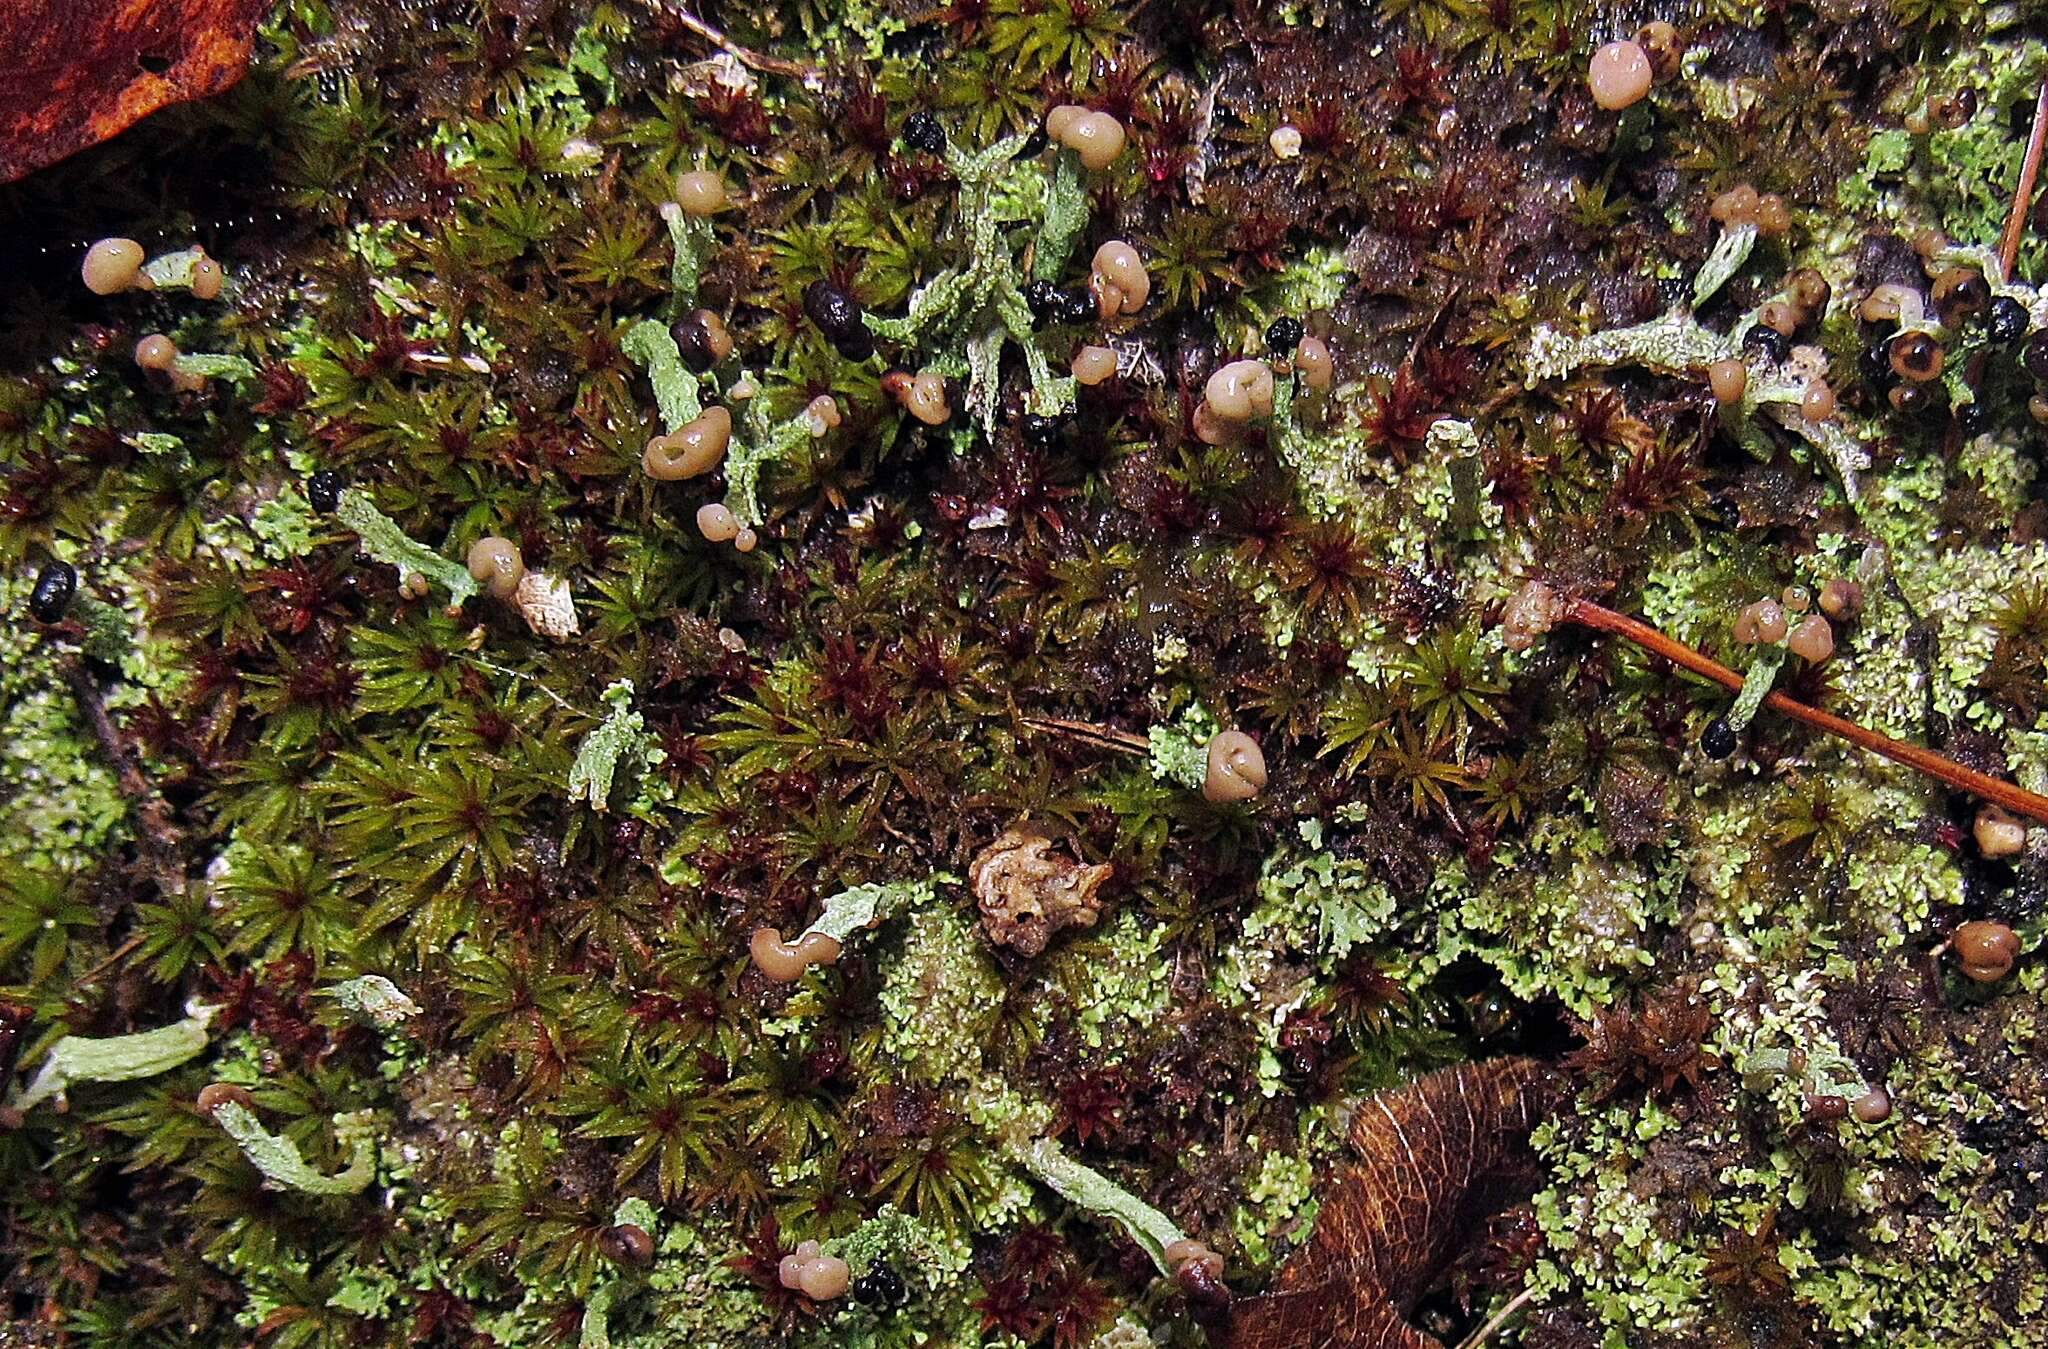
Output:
x=80 y=71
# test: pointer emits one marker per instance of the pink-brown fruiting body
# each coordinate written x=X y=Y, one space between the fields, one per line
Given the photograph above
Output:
x=496 y=563
x=1813 y=640
x=112 y=266
x=156 y=352
x=1314 y=363
x=1093 y=365
x=1239 y=391
x=1620 y=75
x=717 y=523
x=207 y=279
x=1729 y=380
x=701 y=192
x=1236 y=768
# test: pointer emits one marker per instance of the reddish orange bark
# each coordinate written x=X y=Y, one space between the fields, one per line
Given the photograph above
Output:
x=75 y=72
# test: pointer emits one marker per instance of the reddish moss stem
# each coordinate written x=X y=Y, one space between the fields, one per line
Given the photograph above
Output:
x=2013 y=798
x=2030 y=173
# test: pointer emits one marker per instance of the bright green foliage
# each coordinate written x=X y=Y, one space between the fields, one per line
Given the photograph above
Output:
x=385 y=541
x=1091 y=1190
x=622 y=735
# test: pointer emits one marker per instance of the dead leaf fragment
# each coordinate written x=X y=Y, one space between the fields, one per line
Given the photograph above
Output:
x=547 y=605
x=1028 y=892
x=1434 y=1158
x=80 y=71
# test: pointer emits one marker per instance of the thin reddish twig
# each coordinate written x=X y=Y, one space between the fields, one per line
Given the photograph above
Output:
x=157 y=835
x=2030 y=173
x=2013 y=798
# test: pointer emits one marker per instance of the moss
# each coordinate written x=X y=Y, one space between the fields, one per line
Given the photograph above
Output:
x=451 y=283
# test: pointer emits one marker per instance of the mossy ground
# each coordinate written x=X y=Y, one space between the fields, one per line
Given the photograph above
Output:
x=441 y=219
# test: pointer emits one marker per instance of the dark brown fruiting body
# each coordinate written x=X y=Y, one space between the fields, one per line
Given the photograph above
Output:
x=627 y=1244
x=1951 y=111
x=1917 y=356
x=1958 y=293
x=214 y=1095
x=1872 y=1107
x=702 y=339
x=1985 y=949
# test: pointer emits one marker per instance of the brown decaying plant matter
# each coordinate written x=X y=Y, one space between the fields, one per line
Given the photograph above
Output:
x=1434 y=1158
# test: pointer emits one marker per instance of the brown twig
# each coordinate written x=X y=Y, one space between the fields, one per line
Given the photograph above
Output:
x=1499 y=1319
x=159 y=838
x=2030 y=174
x=2014 y=798
x=769 y=65
x=1102 y=737
x=115 y=957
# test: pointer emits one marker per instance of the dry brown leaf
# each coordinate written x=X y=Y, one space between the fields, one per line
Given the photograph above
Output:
x=1434 y=1158
x=79 y=71
x=1028 y=893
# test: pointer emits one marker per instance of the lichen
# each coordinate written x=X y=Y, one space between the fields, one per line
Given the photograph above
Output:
x=480 y=878
x=278 y=1158
x=118 y=1058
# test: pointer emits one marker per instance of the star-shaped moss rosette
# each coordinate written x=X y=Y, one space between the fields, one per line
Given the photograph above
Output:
x=965 y=313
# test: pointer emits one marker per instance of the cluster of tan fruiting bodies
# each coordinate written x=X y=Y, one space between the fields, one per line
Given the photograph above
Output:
x=1903 y=363
x=699 y=446
x=817 y=1276
x=1799 y=620
x=1795 y=312
x=1118 y=286
x=1241 y=392
x=785 y=962
x=114 y=265
x=1096 y=137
